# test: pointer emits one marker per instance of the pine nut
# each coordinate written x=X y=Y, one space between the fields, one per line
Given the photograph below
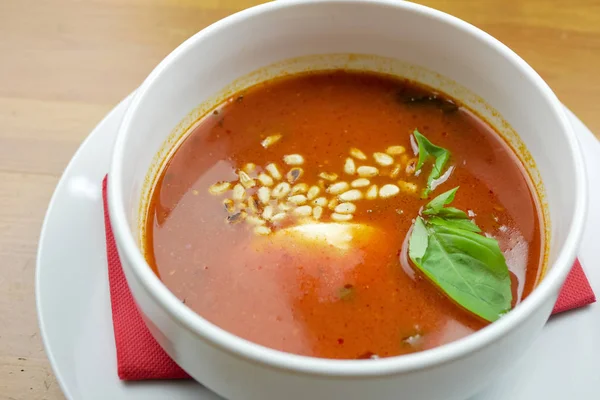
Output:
x=338 y=187
x=245 y=180
x=388 y=190
x=345 y=208
x=372 y=192
x=408 y=186
x=268 y=212
x=385 y=160
x=262 y=230
x=317 y=212
x=270 y=140
x=251 y=219
x=293 y=159
x=356 y=153
x=303 y=211
x=321 y=201
x=238 y=192
x=294 y=174
x=300 y=188
x=341 y=217
x=328 y=177
x=360 y=182
x=366 y=171
x=274 y=171
x=298 y=199
x=264 y=194
x=281 y=190
x=249 y=168
x=351 y=195
x=349 y=166
x=229 y=206
x=313 y=192
x=395 y=150
x=265 y=179
x=219 y=188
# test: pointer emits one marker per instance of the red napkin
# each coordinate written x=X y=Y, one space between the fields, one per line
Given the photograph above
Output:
x=140 y=357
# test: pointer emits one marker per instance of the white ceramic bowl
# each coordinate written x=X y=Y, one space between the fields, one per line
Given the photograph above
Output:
x=198 y=69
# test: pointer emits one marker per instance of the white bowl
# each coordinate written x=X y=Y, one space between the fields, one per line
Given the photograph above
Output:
x=425 y=40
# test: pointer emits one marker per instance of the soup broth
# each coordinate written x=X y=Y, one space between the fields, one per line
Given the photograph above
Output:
x=284 y=216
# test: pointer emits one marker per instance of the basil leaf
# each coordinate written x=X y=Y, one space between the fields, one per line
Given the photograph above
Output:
x=437 y=204
x=418 y=239
x=470 y=268
x=457 y=223
x=428 y=150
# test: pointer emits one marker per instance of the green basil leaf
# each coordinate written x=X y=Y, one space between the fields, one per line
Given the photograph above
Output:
x=468 y=267
x=418 y=239
x=438 y=203
x=428 y=150
x=457 y=223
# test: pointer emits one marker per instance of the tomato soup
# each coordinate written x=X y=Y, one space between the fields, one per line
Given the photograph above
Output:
x=299 y=215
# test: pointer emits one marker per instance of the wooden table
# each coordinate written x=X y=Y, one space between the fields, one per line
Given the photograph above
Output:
x=66 y=63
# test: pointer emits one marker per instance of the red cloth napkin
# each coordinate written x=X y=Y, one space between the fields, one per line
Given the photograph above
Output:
x=140 y=357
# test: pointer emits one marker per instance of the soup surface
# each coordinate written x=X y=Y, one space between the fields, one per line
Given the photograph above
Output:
x=266 y=222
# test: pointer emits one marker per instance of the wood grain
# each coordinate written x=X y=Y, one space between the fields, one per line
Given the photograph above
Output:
x=66 y=63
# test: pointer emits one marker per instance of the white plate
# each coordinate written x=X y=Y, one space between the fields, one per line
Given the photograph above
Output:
x=74 y=306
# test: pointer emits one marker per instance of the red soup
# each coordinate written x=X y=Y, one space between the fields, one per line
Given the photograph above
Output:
x=345 y=215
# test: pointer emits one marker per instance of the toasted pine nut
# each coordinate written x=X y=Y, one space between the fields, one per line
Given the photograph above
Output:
x=321 y=201
x=388 y=190
x=349 y=166
x=298 y=199
x=268 y=212
x=245 y=180
x=238 y=192
x=360 y=182
x=351 y=195
x=385 y=160
x=332 y=203
x=317 y=212
x=356 y=153
x=338 y=187
x=274 y=171
x=264 y=194
x=278 y=217
x=313 y=192
x=408 y=186
x=345 y=208
x=252 y=205
x=341 y=217
x=249 y=168
x=219 y=187
x=395 y=150
x=328 y=177
x=293 y=159
x=304 y=211
x=300 y=188
x=281 y=190
x=251 y=219
x=294 y=174
x=265 y=179
x=237 y=217
x=262 y=230
x=229 y=206
x=366 y=171
x=372 y=192
x=270 y=140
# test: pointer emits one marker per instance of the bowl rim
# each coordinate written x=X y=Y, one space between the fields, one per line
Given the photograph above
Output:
x=242 y=348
